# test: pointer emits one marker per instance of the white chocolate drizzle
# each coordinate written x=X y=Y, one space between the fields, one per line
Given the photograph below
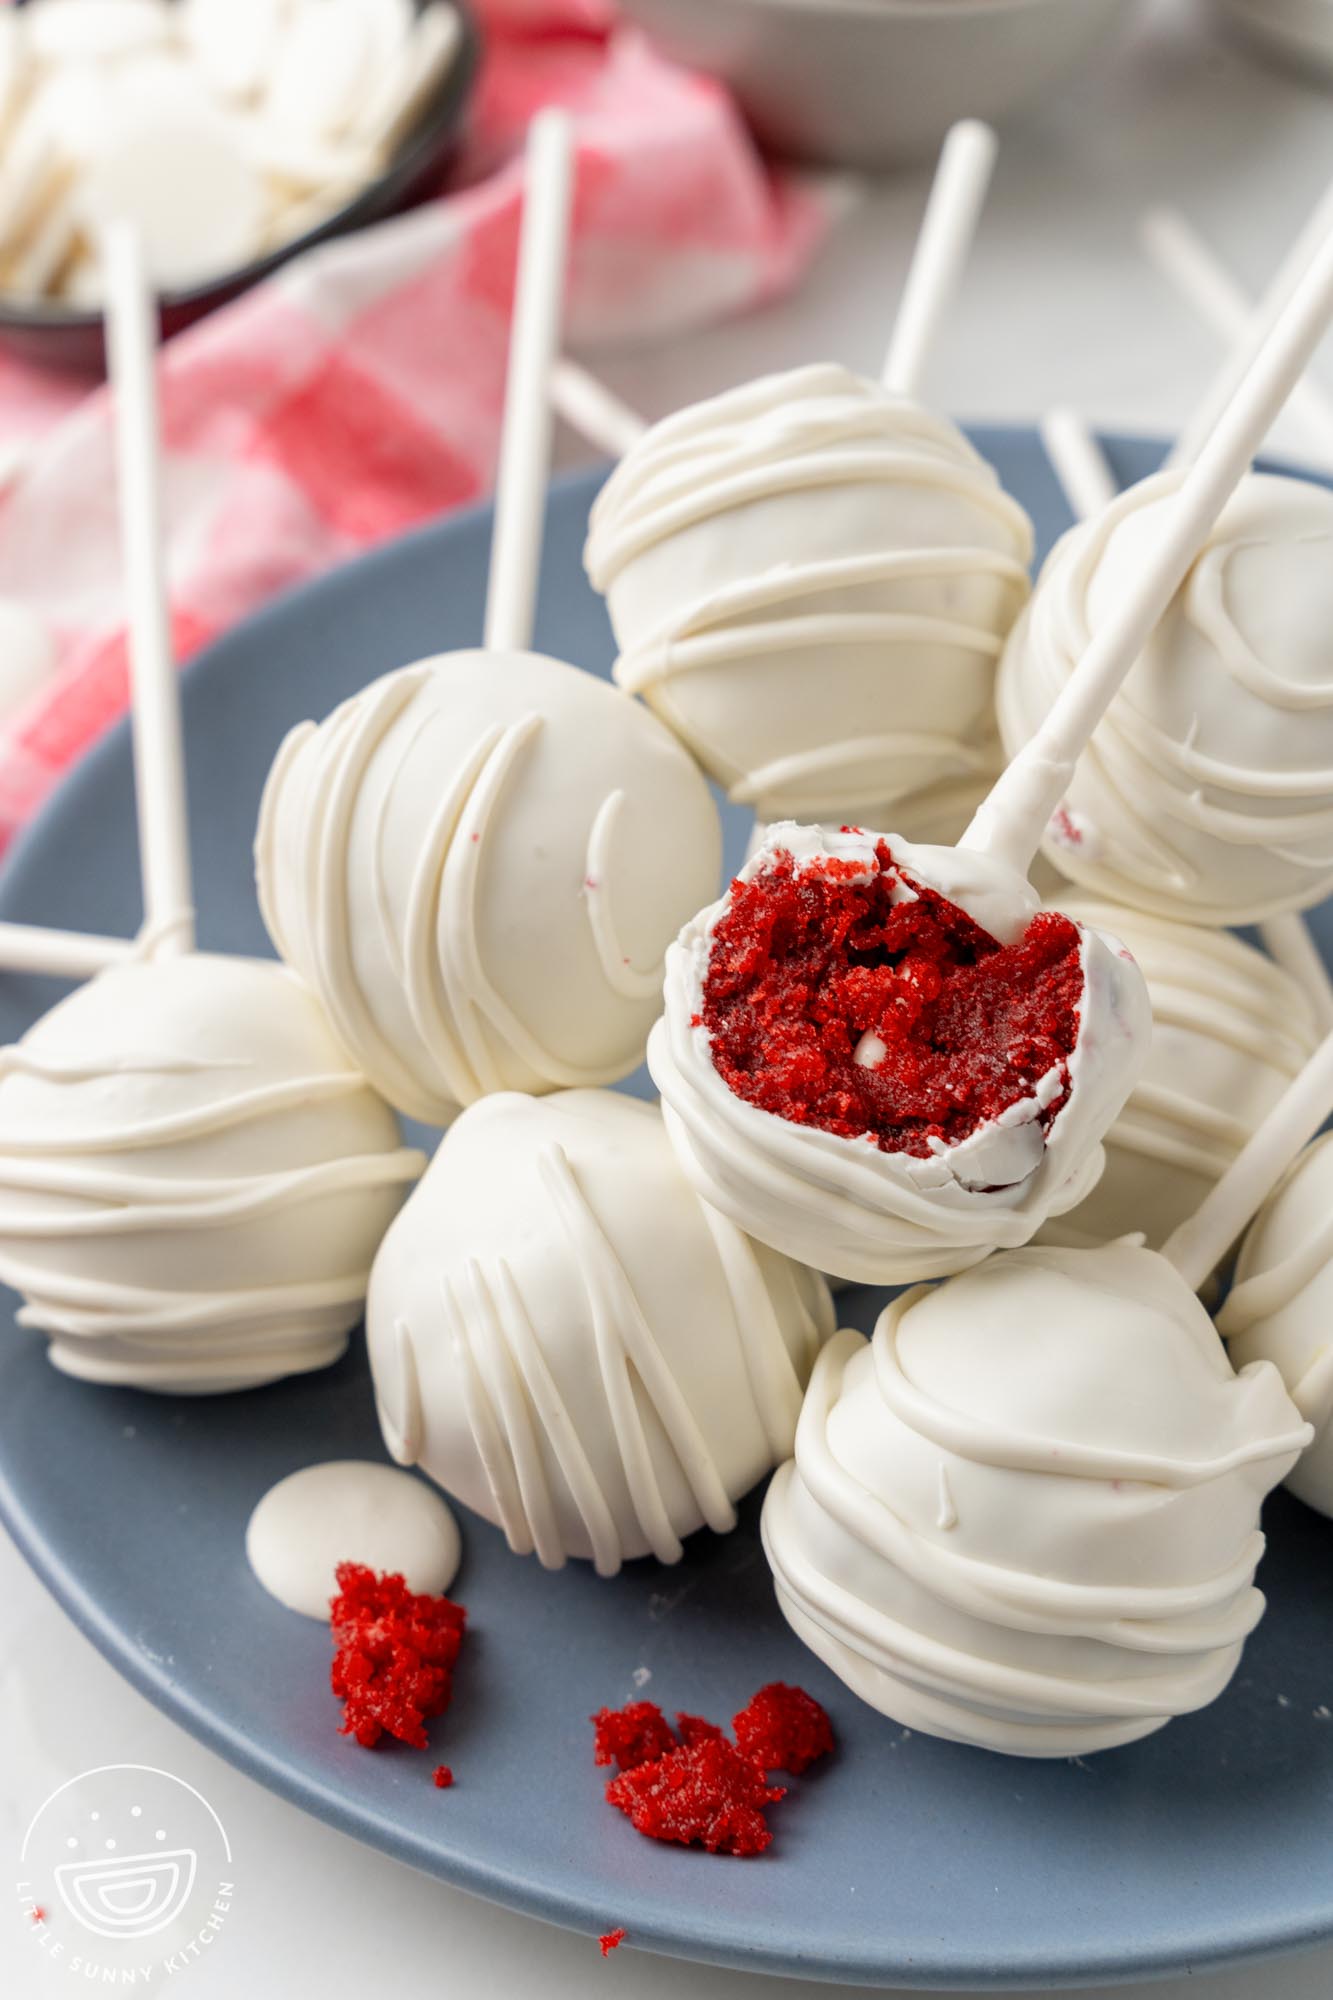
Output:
x=398 y=890
x=1280 y=1308
x=1231 y=1029
x=1207 y=790
x=620 y=972
x=203 y=1217
x=1099 y=1577
x=768 y=561
x=538 y=1409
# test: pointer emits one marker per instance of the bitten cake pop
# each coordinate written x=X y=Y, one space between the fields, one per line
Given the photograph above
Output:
x=1026 y=1515
x=573 y=1344
x=880 y=1057
x=193 y=1177
x=478 y=861
x=811 y=577
x=1280 y=1307
x=1230 y=1029
x=886 y=1059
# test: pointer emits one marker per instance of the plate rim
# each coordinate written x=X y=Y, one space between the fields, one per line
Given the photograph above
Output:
x=1006 y=1969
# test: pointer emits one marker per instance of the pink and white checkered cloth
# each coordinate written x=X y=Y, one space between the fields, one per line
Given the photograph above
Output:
x=358 y=391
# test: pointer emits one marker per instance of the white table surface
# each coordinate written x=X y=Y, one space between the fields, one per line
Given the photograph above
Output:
x=1058 y=305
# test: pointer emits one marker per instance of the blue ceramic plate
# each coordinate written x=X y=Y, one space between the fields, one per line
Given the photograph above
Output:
x=903 y=1861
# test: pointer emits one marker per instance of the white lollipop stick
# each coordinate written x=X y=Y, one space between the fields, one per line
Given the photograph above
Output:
x=1198 y=1246
x=1289 y=942
x=1010 y=822
x=952 y=212
x=594 y=411
x=525 y=444
x=1078 y=462
x=159 y=762
x=60 y=954
x=1089 y=486
x=1186 y=262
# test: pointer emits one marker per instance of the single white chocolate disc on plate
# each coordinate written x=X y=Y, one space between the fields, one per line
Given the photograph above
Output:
x=349 y=1510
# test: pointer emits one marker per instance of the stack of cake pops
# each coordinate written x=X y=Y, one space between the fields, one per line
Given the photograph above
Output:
x=1024 y=1516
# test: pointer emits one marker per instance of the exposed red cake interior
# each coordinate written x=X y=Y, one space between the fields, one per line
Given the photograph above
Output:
x=610 y=1940
x=697 y=1786
x=394 y=1655
x=783 y=1728
x=808 y=960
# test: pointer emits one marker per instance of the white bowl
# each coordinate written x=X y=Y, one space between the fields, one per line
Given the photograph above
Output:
x=1298 y=33
x=873 y=83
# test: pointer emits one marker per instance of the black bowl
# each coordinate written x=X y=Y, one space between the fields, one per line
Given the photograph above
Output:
x=61 y=336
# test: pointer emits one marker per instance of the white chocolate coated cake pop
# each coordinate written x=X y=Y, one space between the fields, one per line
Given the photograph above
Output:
x=1026 y=1515
x=573 y=1344
x=1280 y=1308
x=477 y=863
x=810 y=580
x=865 y=1201
x=1230 y=1029
x=1207 y=790
x=193 y=1178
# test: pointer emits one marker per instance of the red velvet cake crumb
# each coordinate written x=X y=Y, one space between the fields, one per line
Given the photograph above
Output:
x=783 y=1729
x=610 y=1941
x=394 y=1655
x=635 y=1734
x=442 y=1777
x=705 y=1792
x=696 y=1729
x=699 y=1786
x=38 y=1914
x=806 y=962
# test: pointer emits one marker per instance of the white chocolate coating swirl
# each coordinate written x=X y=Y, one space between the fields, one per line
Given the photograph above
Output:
x=1207 y=791
x=1230 y=1030
x=843 y=1205
x=477 y=863
x=1280 y=1308
x=571 y=1343
x=193 y=1178
x=1026 y=1516
x=810 y=580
